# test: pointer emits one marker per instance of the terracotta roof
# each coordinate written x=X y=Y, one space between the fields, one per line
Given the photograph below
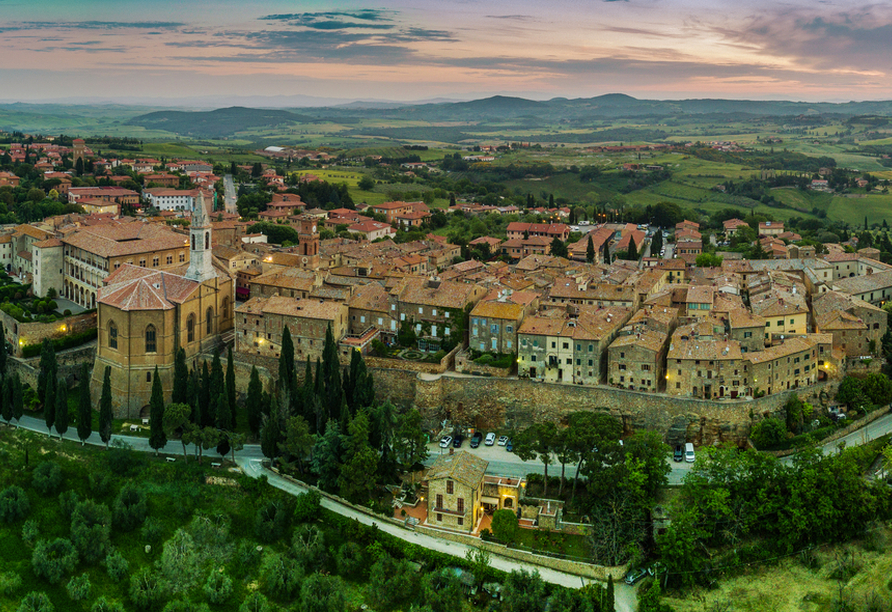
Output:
x=134 y=288
x=372 y=296
x=788 y=347
x=462 y=466
x=292 y=307
x=121 y=239
x=444 y=294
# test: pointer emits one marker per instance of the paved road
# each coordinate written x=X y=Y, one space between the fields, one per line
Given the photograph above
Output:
x=229 y=194
x=249 y=460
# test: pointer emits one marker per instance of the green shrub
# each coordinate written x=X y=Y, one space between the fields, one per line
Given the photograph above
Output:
x=79 y=587
x=320 y=593
x=280 y=576
x=10 y=582
x=145 y=589
x=246 y=559
x=255 y=602
x=91 y=530
x=182 y=605
x=504 y=525
x=100 y=482
x=350 y=560
x=52 y=560
x=270 y=523
x=117 y=566
x=152 y=530
x=67 y=502
x=35 y=602
x=129 y=508
x=218 y=587
x=14 y=504
x=768 y=433
x=61 y=344
x=30 y=532
x=47 y=478
x=104 y=605
x=307 y=506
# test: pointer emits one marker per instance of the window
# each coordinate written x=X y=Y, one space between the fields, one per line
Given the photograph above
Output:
x=532 y=358
x=460 y=504
x=225 y=308
x=151 y=346
x=461 y=521
x=156 y=261
x=510 y=328
x=112 y=335
x=142 y=263
x=209 y=321
x=169 y=260
x=420 y=310
x=148 y=377
x=566 y=345
x=450 y=487
x=182 y=257
x=207 y=240
x=190 y=328
x=439 y=517
x=439 y=500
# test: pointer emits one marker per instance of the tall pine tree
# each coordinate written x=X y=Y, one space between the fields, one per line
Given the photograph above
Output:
x=49 y=401
x=287 y=375
x=205 y=417
x=331 y=378
x=271 y=434
x=105 y=408
x=2 y=350
x=157 y=437
x=61 y=408
x=18 y=398
x=47 y=368
x=84 y=407
x=180 y=394
x=590 y=250
x=230 y=390
x=254 y=403
x=6 y=399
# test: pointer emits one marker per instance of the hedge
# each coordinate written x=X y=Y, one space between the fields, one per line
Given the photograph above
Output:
x=60 y=344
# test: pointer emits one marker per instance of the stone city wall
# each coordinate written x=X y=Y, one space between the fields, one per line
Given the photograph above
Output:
x=21 y=334
x=69 y=365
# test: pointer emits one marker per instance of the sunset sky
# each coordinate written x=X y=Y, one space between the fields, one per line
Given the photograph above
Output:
x=461 y=49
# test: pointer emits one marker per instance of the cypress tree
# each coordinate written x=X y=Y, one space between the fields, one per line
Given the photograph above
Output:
x=216 y=387
x=204 y=398
x=286 y=363
x=105 y=408
x=269 y=437
x=609 y=597
x=590 y=250
x=6 y=399
x=2 y=350
x=49 y=401
x=656 y=243
x=607 y=254
x=47 y=368
x=230 y=390
x=85 y=407
x=18 y=398
x=180 y=393
x=333 y=391
x=254 y=402
x=157 y=437
x=61 y=408
x=192 y=393
x=633 y=250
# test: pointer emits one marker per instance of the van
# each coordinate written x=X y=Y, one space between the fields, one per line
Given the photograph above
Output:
x=689 y=453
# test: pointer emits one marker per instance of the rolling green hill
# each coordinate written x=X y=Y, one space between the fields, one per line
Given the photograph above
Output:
x=217 y=123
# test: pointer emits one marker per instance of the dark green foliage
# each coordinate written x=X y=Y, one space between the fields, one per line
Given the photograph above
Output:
x=222 y=413
x=61 y=408
x=307 y=506
x=656 y=243
x=391 y=582
x=350 y=560
x=280 y=577
x=254 y=401
x=270 y=522
x=442 y=591
x=230 y=390
x=68 y=501
x=79 y=587
x=255 y=602
x=47 y=478
x=218 y=587
x=356 y=480
x=105 y=408
x=271 y=434
x=180 y=378
x=182 y=605
x=877 y=388
x=130 y=508
x=321 y=593
x=117 y=566
x=47 y=369
x=590 y=250
x=35 y=601
x=558 y=247
x=308 y=547
x=18 y=394
x=91 y=530
x=157 y=437
x=14 y=504
x=609 y=596
x=84 y=406
x=287 y=374
x=333 y=396
x=523 y=591
x=146 y=591
x=504 y=525
x=53 y=560
x=104 y=605
x=205 y=415
x=61 y=344
x=10 y=582
x=6 y=396
x=326 y=457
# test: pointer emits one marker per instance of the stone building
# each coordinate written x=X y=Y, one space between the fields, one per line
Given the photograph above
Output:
x=704 y=367
x=455 y=491
x=496 y=319
x=434 y=307
x=636 y=361
x=856 y=326
x=260 y=323
x=371 y=306
x=145 y=315
x=789 y=365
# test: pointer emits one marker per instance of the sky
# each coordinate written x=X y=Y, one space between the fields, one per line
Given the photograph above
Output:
x=402 y=50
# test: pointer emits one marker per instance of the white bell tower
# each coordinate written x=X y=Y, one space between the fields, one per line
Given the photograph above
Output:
x=201 y=267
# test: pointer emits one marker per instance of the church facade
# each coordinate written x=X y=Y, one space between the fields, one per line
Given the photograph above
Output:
x=145 y=316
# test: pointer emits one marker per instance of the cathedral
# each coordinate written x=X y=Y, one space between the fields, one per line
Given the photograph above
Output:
x=146 y=315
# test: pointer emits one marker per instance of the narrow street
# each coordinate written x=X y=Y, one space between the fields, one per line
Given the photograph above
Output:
x=230 y=195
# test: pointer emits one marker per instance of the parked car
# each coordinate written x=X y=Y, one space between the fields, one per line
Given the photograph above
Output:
x=634 y=575
x=490 y=439
x=457 y=441
x=476 y=439
x=445 y=441
x=689 y=456
x=509 y=446
x=503 y=440
x=678 y=455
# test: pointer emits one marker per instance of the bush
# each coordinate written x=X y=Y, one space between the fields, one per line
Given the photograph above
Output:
x=61 y=344
x=130 y=508
x=218 y=587
x=47 y=478
x=10 y=582
x=504 y=525
x=307 y=506
x=350 y=560
x=255 y=602
x=182 y=605
x=152 y=530
x=145 y=589
x=91 y=530
x=30 y=532
x=100 y=482
x=67 y=502
x=36 y=602
x=322 y=593
x=246 y=559
x=280 y=576
x=270 y=523
x=104 y=605
x=14 y=504
x=79 y=587
x=768 y=433
x=117 y=566
x=52 y=560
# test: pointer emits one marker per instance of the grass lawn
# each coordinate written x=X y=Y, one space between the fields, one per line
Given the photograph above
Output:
x=553 y=542
x=853 y=210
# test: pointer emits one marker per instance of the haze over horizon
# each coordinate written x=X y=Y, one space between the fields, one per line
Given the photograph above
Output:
x=454 y=49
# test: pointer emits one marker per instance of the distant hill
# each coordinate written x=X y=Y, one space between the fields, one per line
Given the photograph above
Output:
x=217 y=123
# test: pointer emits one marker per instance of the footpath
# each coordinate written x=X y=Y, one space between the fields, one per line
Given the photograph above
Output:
x=249 y=459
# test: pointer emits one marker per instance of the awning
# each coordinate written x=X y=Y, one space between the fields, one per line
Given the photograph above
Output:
x=490 y=500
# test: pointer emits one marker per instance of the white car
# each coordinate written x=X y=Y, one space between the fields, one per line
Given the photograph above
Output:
x=445 y=441
x=490 y=439
x=503 y=440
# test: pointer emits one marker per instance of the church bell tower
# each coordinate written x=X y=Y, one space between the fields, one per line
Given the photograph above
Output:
x=201 y=267
x=308 y=242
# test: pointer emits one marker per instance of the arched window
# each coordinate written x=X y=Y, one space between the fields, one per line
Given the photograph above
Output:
x=193 y=242
x=207 y=240
x=209 y=320
x=112 y=335
x=151 y=346
x=226 y=308
x=190 y=328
